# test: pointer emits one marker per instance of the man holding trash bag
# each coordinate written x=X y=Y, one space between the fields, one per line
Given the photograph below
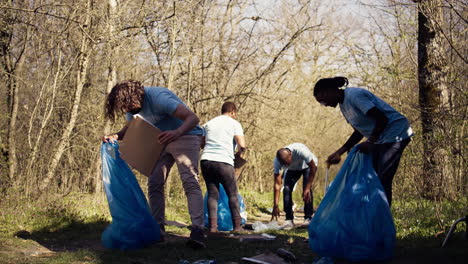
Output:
x=182 y=136
x=217 y=162
x=387 y=131
x=297 y=160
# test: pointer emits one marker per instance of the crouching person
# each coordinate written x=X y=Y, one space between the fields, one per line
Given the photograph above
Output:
x=296 y=160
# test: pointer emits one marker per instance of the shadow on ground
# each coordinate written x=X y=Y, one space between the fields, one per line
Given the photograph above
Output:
x=70 y=236
x=418 y=249
x=71 y=239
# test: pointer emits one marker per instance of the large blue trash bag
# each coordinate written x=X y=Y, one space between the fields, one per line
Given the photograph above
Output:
x=354 y=221
x=132 y=224
x=224 y=213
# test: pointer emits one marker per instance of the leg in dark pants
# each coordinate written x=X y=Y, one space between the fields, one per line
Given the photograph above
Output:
x=216 y=173
x=386 y=158
x=290 y=180
x=212 y=186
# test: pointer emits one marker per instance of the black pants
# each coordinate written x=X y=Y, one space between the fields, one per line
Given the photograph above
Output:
x=290 y=180
x=386 y=158
x=216 y=173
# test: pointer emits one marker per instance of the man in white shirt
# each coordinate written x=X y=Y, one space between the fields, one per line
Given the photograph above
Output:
x=297 y=160
x=222 y=133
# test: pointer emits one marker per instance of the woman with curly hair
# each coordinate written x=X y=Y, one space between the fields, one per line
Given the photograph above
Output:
x=181 y=136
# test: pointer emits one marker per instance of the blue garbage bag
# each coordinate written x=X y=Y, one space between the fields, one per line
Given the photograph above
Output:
x=224 y=213
x=354 y=221
x=132 y=223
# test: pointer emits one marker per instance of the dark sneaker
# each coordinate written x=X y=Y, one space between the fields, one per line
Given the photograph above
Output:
x=197 y=238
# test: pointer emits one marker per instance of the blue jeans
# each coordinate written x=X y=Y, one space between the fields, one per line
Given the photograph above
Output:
x=290 y=180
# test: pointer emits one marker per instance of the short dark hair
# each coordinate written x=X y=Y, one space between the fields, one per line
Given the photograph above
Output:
x=280 y=154
x=124 y=94
x=228 y=107
x=330 y=84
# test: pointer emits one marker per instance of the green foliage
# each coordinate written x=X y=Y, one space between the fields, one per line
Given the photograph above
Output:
x=71 y=226
x=423 y=218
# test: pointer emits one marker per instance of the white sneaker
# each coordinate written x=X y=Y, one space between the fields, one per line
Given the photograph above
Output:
x=306 y=222
x=288 y=225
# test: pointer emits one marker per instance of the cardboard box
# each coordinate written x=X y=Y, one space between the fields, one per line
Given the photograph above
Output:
x=239 y=166
x=140 y=147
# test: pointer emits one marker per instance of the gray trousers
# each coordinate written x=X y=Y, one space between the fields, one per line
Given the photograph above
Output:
x=185 y=153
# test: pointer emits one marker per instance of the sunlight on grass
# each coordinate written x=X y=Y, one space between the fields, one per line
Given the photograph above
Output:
x=77 y=221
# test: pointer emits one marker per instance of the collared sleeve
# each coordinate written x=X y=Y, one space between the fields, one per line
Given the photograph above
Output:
x=238 y=131
x=362 y=100
x=306 y=154
x=276 y=166
x=165 y=102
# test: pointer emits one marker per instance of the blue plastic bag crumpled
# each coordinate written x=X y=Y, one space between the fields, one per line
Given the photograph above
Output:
x=132 y=224
x=354 y=221
x=224 y=213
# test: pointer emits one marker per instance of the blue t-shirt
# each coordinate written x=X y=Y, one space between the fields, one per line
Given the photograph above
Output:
x=357 y=102
x=158 y=106
x=301 y=157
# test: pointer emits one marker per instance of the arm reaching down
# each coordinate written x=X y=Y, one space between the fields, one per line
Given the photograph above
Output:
x=276 y=193
x=190 y=121
x=306 y=195
x=335 y=158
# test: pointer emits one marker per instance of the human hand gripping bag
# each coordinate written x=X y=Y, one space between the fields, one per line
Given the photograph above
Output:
x=354 y=221
x=224 y=212
x=132 y=224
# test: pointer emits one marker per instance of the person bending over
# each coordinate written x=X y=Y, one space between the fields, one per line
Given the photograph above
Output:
x=297 y=160
x=387 y=131
x=181 y=136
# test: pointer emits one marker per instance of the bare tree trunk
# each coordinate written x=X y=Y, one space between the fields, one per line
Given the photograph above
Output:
x=13 y=107
x=13 y=68
x=80 y=82
x=432 y=87
x=38 y=134
x=111 y=81
x=173 y=51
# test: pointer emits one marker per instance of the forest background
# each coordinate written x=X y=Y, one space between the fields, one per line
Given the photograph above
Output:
x=59 y=59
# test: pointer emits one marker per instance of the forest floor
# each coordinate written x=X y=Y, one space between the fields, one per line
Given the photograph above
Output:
x=56 y=232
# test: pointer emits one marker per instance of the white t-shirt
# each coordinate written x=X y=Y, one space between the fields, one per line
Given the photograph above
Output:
x=219 y=139
x=301 y=157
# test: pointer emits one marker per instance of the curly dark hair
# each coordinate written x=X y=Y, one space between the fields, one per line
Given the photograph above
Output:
x=124 y=96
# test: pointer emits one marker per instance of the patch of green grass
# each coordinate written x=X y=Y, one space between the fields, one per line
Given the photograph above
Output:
x=71 y=226
x=256 y=203
x=260 y=203
x=423 y=218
